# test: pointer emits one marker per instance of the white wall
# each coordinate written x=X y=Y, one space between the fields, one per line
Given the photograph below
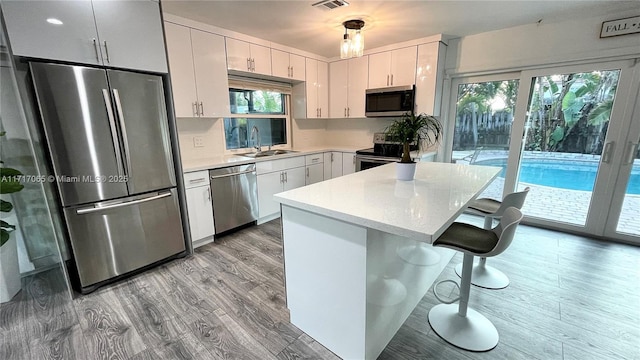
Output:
x=354 y=132
x=210 y=129
x=538 y=44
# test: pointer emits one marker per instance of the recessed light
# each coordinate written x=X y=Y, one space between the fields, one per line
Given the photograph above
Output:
x=54 y=21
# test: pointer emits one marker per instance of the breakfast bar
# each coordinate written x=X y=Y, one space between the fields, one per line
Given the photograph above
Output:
x=357 y=251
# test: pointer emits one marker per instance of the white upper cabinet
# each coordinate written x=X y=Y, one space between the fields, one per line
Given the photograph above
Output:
x=311 y=98
x=183 y=80
x=429 y=77
x=393 y=68
x=348 y=82
x=244 y=56
x=338 y=88
x=212 y=82
x=75 y=39
x=286 y=65
x=129 y=33
x=198 y=72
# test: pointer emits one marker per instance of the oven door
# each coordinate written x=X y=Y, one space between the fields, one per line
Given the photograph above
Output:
x=364 y=162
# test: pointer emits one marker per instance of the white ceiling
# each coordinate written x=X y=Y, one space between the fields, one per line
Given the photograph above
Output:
x=297 y=24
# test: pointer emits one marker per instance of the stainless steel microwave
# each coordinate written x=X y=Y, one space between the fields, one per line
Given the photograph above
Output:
x=389 y=101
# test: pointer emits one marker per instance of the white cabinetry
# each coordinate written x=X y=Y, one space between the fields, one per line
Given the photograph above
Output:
x=276 y=176
x=429 y=77
x=121 y=34
x=339 y=163
x=348 y=81
x=314 y=168
x=198 y=72
x=393 y=68
x=248 y=57
x=286 y=65
x=199 y=208
x=348 y=163
x=311 y=98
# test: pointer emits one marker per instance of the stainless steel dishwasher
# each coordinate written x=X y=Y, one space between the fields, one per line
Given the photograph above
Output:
x=234 y=195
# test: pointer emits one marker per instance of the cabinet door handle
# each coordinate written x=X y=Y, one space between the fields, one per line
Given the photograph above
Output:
x=248 y=64
x=194 y=108
x=345 y=112
x=387 y=80
x=286 y=177
x=106 y=51
x=201 y=109
x=307 y=172
x=320 y=112
x=253 y=64
x=95 y=47
x=208 y=193
x=281 y=177
x=354 y=160
x=194 y=181
x=348 y=112
x=292 y=71
x=331 y=157
x=391 y=79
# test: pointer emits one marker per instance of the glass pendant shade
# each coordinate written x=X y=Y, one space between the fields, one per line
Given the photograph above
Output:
x=352 y=44
x=345 y=47
x=357 y=44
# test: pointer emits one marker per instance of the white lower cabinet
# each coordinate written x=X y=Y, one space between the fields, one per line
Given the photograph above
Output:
x=277 y=176
x=199 y=208
x=337 y=163
x=348 y=163
x=314 y=171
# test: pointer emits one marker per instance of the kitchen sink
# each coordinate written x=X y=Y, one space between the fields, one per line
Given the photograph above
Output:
x=267 y=153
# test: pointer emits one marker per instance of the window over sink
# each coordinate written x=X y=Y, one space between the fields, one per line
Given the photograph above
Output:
x=259 y=114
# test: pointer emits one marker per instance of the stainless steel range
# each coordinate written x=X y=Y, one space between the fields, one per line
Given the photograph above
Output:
x=384 y=151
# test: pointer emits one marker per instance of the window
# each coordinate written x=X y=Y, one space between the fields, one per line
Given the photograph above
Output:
x=259 y=114
x=256 y=102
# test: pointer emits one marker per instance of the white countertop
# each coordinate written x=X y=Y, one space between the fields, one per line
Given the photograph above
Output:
x=219 y=161
x=375 y=199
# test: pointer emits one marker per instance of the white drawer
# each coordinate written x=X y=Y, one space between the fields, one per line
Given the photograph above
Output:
x=314 y=159
x=196 y=178
x=264 y=167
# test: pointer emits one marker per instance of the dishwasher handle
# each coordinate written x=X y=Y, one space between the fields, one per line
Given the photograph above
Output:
x=232 y=174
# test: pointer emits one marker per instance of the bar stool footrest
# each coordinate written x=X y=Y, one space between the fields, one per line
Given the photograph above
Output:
x=486 y=276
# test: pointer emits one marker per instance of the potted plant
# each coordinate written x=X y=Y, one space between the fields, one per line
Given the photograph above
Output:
x=413 y=129
x=9 y=268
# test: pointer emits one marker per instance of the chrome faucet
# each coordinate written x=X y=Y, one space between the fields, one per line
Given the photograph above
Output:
x=255 y=132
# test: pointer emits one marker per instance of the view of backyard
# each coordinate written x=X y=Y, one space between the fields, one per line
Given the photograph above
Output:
x=564 y=138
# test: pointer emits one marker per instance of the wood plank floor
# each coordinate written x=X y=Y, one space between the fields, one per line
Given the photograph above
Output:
x=569 y=298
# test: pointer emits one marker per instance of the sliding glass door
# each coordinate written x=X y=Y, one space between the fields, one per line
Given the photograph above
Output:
x=572 y=140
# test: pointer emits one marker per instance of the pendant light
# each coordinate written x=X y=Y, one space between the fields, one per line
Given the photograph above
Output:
x=352 y=44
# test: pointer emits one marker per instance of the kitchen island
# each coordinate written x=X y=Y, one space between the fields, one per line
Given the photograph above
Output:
x=357 y=251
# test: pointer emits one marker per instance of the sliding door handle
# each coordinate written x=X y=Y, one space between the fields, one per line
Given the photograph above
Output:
x=632 y=149
x=607 y=152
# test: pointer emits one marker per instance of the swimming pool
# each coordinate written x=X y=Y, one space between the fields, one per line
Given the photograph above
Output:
x=573 y=175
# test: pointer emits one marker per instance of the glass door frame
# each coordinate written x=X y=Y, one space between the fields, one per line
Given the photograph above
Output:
x=606 y=202
x=626 y=143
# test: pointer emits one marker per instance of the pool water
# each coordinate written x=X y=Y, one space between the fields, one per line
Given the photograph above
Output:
x=578 y=175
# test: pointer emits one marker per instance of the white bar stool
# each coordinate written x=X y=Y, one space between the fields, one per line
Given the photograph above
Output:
x=484 y=275
x=460 y=325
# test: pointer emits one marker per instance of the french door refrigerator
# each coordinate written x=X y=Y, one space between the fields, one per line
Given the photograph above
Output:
x=108 y=138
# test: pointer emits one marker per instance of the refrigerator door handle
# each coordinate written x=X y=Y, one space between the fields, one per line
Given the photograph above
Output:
x=123 y=128
x=114 y=133
x=121 y=204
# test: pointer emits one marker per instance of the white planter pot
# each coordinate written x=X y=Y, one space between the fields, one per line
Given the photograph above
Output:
x=405 y=171
x=9 y=270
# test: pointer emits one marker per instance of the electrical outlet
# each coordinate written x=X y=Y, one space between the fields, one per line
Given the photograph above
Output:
x=198 y=141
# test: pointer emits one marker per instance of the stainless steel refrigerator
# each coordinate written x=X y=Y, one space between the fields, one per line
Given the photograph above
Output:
x=108 y=138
